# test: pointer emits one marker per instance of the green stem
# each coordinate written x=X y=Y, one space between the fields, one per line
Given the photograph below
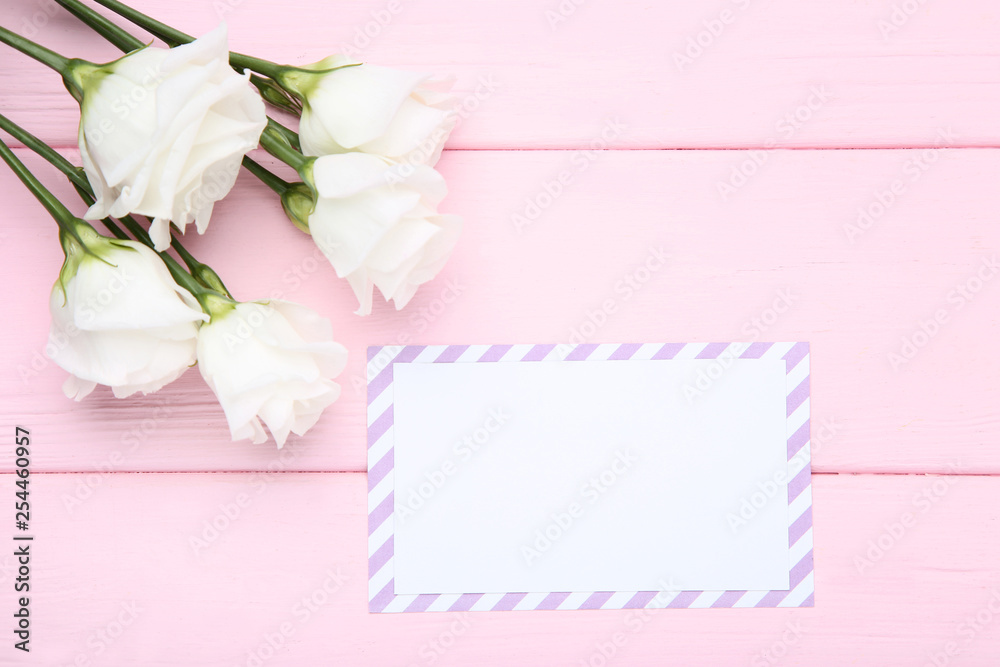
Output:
x=102 y=25
x=36 y=51
x=174 y=37
x=275 y=94
x=138 y=232
x=270 y=90
x=109 y=223
x=269 y=179
x=74 y=71
x=79 y=180
x=259 y=65
x=169 y=35
x=196 y=268
x=128 y=43
x=189 y=260
x=203 y=273
x=289 y=134
x=203 y=294
x=181 y=277
x=74 y=173
x=66 y=220
x=274 y=142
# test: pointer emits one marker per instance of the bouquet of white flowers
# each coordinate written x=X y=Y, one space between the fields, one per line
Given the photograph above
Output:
x=163 y=133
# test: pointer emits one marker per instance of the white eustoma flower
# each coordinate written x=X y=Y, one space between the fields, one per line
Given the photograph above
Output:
x=270 y=361
x=163 y=132
x=397 y=114
x=378 y=224
x=119 y=319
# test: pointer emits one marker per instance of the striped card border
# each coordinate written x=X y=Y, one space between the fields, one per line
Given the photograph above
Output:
x=381 y=593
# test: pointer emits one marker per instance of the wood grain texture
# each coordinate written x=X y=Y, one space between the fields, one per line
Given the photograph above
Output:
x=213 y=604
x=122 y=489
x=557 y=80
x=731 y=265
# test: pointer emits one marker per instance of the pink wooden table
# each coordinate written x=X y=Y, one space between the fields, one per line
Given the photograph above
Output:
x=159 y=542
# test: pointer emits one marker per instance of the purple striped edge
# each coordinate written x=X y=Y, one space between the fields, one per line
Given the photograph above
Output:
x=422 y=601
x=465 y=602
x=712 y=351
x=596 y=600
x=538 y=352
x=509 y=601
x=495 y=353
x=669 y=351
x=796 y=396
x=795 y=355
x=451 y=354
x=383 y=511
x=581 y=352
x=728 y=599
x=756 y=350
x=624 y=352
x=383 y=379
x=552 y=601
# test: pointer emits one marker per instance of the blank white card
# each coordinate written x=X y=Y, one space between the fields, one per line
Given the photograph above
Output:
x=581 y=475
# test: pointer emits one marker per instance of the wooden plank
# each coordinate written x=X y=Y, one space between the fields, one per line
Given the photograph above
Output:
x=134 y=577
x=905 y=563
x=890 y=73
x=729 y=265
